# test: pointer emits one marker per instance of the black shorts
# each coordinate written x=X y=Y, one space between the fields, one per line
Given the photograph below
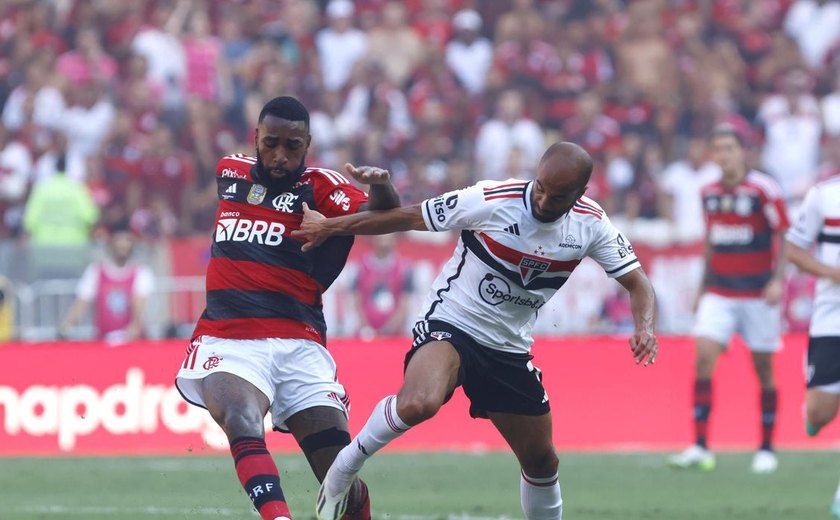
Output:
x=494 y=381
x=823 y=361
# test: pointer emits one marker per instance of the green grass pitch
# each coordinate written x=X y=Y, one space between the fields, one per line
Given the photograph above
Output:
x=427 y=486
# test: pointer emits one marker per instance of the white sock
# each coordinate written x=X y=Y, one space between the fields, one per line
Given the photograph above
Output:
x=540 y=497
x=383 y=426
x=837 y=494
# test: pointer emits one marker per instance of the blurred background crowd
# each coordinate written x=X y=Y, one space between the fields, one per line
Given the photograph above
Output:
x=116 y=111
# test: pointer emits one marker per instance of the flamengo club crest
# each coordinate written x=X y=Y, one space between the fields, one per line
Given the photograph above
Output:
x=531 y=267
x=284 y=202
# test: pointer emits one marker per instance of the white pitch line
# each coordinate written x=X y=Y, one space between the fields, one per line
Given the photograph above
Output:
x=208 y=511
x=109 y=510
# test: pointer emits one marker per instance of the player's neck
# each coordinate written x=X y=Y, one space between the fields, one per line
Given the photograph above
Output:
x=734 y=178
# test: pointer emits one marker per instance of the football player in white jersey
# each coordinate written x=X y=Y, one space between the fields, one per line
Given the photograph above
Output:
x=519 y=243
x=819 y=222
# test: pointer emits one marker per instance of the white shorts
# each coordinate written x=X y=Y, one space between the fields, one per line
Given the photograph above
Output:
x=295 y=374
x=758 y=323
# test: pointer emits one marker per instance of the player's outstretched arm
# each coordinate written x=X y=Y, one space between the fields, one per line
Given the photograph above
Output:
x=315 y=227
x=806 y=261
x=643 y=343
x=382 y=193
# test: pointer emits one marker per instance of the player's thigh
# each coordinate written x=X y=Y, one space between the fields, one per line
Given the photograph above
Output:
x=431 y=373
x=823 y=378
x=231 y=378
x=707 y=352
x=530 y=439
x=821 y=404
x=760 y=325
x=716 y=320
x=305 y=377
x=235 y=403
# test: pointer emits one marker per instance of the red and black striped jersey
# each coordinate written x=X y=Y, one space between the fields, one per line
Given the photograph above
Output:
x=259 y=283
x=741 y=222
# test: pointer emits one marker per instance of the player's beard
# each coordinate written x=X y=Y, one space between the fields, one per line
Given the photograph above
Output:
x=285 y=184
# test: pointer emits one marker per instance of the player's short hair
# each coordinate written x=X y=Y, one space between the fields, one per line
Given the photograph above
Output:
x=727 y=130
x=285 y=107
x=121 y=225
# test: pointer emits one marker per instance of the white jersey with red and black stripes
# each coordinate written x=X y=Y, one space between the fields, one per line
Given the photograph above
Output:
x=819 y=222
x=507 y=264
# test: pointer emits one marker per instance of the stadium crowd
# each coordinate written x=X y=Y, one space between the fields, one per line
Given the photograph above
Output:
x=138 y=100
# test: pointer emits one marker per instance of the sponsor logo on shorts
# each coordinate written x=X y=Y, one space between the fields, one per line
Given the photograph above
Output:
x=496 y=290
x=440 y=335
x=212 y=362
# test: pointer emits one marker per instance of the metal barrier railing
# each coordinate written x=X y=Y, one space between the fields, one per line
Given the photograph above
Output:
x=172 y=308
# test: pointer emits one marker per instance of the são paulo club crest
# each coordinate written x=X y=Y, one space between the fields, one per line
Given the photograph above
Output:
x=531 y=267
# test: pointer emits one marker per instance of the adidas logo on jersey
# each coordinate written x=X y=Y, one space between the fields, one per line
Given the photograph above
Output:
x=513 y=229
x=229 y=192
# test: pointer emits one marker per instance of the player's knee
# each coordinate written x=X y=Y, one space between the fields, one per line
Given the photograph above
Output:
x=416 y=408
x=540 y=463
x=240 y=422
x=818 y=416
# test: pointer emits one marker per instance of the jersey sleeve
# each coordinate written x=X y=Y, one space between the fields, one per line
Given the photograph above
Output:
x=809 y=221
x=459 y=209
x=611 y=249
x=775 y=208
x=88 y=283
x=144 y=283
x=334 y=194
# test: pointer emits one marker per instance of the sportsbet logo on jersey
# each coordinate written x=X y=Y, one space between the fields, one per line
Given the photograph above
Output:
x=245 y=230
x=495 y=290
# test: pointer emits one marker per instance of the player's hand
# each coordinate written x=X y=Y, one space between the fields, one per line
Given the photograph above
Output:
x=312 y=230
x=773 y=291
x=644 y=346
x=368 y=174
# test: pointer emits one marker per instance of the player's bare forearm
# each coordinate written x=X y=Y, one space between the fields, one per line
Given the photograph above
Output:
x=380 y=222
x=315 y=228
x=643 y=343
x=382 y=196
x=779 y=271
x=805 y=261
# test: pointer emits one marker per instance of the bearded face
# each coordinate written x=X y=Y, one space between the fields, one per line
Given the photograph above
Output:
x=281 y=146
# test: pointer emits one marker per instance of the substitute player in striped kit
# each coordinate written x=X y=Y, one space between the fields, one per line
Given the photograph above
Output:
x=520 y=242
x=260 y=345
x=741 y=290
x=819 y=223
